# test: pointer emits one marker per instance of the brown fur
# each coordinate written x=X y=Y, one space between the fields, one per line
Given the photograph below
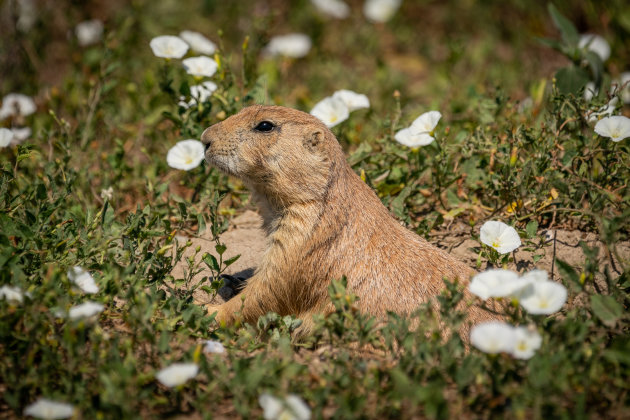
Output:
x=322 y=222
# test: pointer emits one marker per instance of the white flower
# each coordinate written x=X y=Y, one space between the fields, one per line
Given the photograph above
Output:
x=290 y=45
x=407 y=138
x=426 y=123
x=335 y=8
x=83 y=279
x=543 y=297
x=595 y=43
x=331 y=111
x=499 y=236
x=27 y=15
x=201 y=66
x=199 y=93
x=352 y=99
x=212 y=346
x=493 y=337
x=496 y=283
x=6 y=136
x=44 y=408
x=168 y=46
x=527 y=341
x=186 y=154
x=177 y=374
x=604 y=111
x=616 y=127
x=535 y=275
x=292 y=408
x=89 y=32
x=380 y=10
x=589 y=91
x=21 y=134
x=198 y=42
x=107 y=193
x=624 y=85
x=85 y=310
x=11 y=293
x=15 y=104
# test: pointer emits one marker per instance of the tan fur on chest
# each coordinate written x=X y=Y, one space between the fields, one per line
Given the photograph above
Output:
x=322 y=223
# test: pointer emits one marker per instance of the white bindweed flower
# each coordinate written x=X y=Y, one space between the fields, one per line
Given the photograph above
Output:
x=168 y=46
x=290 y=45
x=17 y=104
x=11 y=294
x=543 y=297
x=595 y=43
x=623 y=84
x=331 y=111
x=21 y=134
x=6 y=136
x=496 y=283
x=291 y=408
x=198 y=42
x=335 y=8
x=352 y=99
x=380 y=10
x=406 y=137
x=199 y=93
x=426 y=123
x=535 y=275
x=85 y=310
x=589 y=91
x=89 y=32
x=211 y=346
x=27 y=15
x=186 y=155
x=201 y=66
x=44 y=408
x=616 y=128
x=605 y=111
x=177 y=374
x=501 y=237
x=493 y=337
x=527 y=341
x=83 y=279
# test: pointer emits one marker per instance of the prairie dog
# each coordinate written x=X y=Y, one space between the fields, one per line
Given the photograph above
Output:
x=322 y=223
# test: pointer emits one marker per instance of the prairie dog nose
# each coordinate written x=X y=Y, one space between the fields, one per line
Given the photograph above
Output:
x=206 y=137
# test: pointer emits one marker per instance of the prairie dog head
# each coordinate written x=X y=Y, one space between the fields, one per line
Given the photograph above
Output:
x=283 y=154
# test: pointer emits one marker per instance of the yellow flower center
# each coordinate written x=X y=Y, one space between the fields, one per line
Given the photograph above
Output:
x=495 y=244
x=188 y=160
x=333 y=118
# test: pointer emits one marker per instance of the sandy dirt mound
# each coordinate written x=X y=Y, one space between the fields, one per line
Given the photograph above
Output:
x=246 y=238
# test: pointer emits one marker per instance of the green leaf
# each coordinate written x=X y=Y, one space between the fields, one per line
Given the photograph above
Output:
x=571 y=80
x=211 y=262
x=220 y=248
x=531 y=229
x=569 y=272
x=232 y=260
x=607 y=309
x=398 y=203
x=596 y=65
x=565 y=26
x=551 y=43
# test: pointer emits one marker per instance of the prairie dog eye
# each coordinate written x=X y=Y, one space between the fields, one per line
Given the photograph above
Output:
x=265 y=126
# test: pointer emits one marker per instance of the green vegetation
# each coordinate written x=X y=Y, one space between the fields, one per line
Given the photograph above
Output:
x=514 y=143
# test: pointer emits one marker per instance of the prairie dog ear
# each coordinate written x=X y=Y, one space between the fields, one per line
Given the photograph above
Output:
x=313 y=140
